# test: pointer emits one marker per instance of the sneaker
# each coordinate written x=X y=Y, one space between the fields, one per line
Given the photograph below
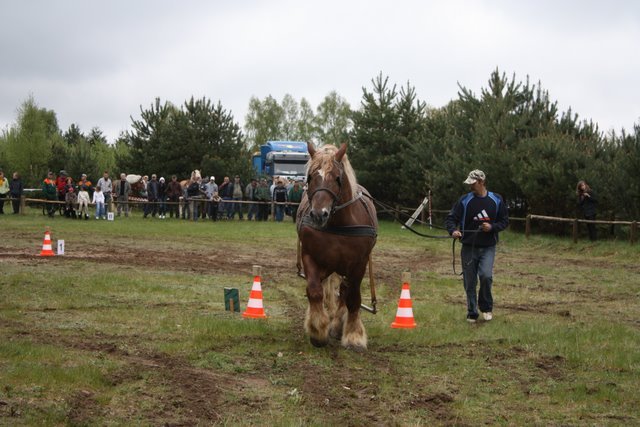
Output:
x=487 y=316
x=471 y=319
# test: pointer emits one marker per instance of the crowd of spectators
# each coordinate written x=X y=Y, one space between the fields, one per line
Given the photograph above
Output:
x=198 y=198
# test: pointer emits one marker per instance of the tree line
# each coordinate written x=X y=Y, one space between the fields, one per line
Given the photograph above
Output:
x=533 y=153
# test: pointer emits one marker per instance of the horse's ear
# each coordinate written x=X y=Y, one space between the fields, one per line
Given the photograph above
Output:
x=311 y=148
x=340 y=153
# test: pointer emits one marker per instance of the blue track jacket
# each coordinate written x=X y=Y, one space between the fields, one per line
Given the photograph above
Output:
x=470 y=211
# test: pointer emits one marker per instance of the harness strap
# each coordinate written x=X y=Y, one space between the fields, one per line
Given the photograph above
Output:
x=346 y=230
x=344 y=205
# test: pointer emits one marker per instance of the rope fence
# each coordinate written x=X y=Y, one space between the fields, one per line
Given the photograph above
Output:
x=138 y=202
x=633 y=231
x=575 y=222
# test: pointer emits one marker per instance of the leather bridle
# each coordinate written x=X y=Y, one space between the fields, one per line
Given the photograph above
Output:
x=334 y=195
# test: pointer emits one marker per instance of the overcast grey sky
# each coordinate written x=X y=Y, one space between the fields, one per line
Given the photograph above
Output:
x=96 y=62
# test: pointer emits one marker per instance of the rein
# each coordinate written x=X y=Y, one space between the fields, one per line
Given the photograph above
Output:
x=431 y=236
x=344 y=205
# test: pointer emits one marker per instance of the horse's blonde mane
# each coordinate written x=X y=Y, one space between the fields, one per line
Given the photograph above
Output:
x=323 y=160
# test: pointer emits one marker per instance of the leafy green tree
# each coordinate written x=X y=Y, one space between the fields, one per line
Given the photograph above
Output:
x=411 y=129
x=512 y=132
x=376 y=151
x=73 y=135
x=263 y=122
x=151 y=131
x=501 y=119
x=438 y=158
x=306 y=122
x=96 y=137
x=171 y=140
x=217 y=140
x=546 y=174
x=83 y=159
x=4 y=162
x=28 y=145
x=290 y=118
x=333 y=119
x=122 y=155
x=621 y=180
x=60 y=154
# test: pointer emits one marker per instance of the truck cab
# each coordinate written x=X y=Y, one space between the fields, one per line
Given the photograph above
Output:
x=282 y=158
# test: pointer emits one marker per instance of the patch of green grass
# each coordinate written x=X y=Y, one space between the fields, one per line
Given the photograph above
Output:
x=142 y=338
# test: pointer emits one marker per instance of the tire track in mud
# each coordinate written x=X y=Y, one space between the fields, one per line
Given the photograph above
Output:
x=195 y=395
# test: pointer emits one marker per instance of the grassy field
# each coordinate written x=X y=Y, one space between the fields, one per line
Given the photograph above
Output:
x=129 y=327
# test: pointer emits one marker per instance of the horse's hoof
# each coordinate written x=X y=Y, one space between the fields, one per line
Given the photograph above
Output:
x=356 y=348
x=318 y=343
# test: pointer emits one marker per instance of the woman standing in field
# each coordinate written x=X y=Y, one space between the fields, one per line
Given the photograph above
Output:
x=587 y=202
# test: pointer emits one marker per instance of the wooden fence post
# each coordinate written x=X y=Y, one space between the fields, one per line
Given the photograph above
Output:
x=23 y=205
x=575 y=231
x=633 y=235
x=527 y=226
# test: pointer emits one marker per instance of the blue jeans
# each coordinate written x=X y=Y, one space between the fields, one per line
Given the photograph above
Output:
x=100 y=211
x=279 y=212
x=253 y=212
x=227 y=207
x=193 y=205
x=477 y=262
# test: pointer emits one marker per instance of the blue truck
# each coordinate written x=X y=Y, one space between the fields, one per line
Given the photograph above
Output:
x=282 y=158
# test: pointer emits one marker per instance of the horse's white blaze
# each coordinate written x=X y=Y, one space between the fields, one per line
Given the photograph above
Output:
x=321 y=173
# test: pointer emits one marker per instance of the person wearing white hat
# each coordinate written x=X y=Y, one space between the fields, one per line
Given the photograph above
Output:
x=211 y=194
x=162 y=198
x=476 y=219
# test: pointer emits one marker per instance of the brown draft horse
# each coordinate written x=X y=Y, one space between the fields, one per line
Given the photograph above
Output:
x=337 y=228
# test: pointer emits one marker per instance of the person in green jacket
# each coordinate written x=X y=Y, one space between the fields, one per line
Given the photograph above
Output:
x=50 y=192
x=262 y=195
x=295 y=196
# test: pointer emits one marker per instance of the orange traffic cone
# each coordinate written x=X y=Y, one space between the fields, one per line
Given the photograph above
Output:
x=255 y=310
x=46 y=245
x=404 y=315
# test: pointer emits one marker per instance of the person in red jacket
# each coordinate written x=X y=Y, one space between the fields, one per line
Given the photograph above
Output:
x=61 y=185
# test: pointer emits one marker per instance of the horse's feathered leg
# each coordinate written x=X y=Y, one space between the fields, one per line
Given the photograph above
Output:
x=354 y=336
x=317 y=319
x=334 y=301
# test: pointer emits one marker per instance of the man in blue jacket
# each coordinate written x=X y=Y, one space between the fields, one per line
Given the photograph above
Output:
x=476 y=219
